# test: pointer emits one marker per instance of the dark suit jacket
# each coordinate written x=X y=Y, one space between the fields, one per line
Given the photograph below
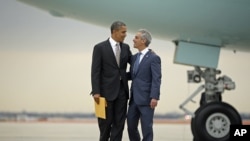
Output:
x=146 y=82
x=105 y=73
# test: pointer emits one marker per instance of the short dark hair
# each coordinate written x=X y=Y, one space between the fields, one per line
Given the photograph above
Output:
x=116 y=25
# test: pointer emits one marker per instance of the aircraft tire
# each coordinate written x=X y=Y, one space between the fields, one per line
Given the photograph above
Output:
x=212 y=121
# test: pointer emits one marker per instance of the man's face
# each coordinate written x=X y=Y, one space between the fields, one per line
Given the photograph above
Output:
x=120 y=34
x=138 y=41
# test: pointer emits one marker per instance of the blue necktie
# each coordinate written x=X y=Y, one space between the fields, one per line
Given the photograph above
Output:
x=137 y=62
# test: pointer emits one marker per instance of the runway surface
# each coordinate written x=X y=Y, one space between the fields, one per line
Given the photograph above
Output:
x=83 y=131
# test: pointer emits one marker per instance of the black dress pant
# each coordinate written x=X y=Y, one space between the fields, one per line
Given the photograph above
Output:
x=111 y=128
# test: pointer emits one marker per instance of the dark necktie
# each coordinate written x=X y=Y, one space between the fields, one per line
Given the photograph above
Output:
x=137 y=62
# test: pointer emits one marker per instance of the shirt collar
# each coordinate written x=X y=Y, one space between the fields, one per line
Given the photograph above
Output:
x=112 y=42
x=144 y=51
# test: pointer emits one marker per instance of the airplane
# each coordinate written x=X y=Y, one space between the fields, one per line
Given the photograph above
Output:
x=200 y=29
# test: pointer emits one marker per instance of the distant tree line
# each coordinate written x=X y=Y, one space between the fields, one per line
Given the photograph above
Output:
x=43 y=116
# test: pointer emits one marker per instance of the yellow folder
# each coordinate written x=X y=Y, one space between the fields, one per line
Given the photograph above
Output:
x=100 y=108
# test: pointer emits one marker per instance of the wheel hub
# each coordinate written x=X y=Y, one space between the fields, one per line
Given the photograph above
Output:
x=218 y=125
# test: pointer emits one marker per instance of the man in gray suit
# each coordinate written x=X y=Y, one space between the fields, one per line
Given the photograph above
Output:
x=145 y=88
x=109 y=80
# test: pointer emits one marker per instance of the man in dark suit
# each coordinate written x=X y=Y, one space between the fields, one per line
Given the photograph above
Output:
x=109 y=80
x=145 y=88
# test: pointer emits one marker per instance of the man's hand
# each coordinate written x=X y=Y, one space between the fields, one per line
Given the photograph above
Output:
x=153 y=103
x=96 y=97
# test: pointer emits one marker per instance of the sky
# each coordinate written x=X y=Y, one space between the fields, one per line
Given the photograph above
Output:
x=45 y=65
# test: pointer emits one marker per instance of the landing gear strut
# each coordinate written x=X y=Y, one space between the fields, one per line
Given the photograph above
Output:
x=212 y=120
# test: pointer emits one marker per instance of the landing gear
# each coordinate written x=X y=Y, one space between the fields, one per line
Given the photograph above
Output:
x=212 y=120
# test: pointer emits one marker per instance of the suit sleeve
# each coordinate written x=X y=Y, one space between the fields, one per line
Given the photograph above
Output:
x=129 y=75
x=96 y=70
x=156 y=78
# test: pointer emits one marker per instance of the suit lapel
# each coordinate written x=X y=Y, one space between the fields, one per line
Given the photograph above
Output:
x=122 y=52
x=144 y=60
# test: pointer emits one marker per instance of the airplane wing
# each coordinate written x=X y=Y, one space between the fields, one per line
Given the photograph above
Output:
x=223 y=24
